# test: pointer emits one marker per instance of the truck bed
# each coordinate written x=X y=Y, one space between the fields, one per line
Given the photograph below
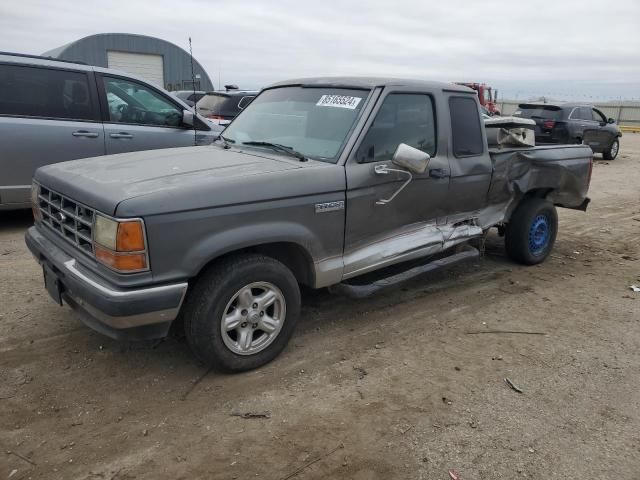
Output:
x=562 y=170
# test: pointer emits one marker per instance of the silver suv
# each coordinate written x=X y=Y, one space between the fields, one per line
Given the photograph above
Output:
x=52 y=111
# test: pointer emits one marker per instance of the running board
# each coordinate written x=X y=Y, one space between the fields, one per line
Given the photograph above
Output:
x=363 y=291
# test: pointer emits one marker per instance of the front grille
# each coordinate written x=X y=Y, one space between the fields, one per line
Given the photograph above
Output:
x=68 y=218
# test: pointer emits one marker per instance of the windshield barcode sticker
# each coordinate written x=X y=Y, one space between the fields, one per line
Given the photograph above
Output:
x=341 y=101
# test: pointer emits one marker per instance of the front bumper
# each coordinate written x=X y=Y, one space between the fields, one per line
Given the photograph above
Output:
x=123 y=314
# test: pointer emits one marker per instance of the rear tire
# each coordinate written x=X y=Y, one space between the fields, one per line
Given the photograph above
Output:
x=241 y=313
x=612 y=152
x=531 y=231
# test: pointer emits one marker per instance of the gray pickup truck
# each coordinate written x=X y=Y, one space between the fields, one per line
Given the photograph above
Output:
x=317 y=182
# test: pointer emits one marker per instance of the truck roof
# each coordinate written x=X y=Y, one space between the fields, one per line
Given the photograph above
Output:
x=371 y=82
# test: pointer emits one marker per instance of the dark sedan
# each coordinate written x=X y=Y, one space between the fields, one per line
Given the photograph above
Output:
x=573 y=123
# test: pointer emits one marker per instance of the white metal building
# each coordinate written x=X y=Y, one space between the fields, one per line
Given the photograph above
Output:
x=153 y=59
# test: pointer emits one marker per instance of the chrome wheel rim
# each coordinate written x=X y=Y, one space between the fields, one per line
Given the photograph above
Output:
x=253 y=318
x=614 y=149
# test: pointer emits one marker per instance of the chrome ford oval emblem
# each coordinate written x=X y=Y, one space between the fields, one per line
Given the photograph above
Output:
x=61 y=216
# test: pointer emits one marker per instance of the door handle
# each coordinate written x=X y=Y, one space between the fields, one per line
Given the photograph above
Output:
x=438 y=172
x=121 y=135
x=84 y=133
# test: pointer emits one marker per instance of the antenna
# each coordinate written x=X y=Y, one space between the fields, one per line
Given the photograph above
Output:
x=195 y=103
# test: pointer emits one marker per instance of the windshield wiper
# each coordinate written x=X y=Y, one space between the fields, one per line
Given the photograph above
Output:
x=226 y=141
x=277 y=146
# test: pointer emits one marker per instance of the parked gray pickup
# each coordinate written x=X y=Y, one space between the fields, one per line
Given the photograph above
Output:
x=317 y=182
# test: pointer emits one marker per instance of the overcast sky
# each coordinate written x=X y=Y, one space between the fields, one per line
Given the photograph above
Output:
x=560 y=48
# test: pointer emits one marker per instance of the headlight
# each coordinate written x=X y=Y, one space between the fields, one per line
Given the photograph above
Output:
x=120 y=244
x=35 y=201
x=106 y=231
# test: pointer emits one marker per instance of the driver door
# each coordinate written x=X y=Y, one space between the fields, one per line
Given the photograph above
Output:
x=138 y=117
x=382 y=234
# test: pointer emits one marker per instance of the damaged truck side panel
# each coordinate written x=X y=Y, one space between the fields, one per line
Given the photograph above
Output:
x=321 y=182
x=560 y=175
x=557 y=175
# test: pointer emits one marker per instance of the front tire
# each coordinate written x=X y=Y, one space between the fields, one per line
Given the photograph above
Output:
x=531 y=231
x=242 y=312
x=612 y=152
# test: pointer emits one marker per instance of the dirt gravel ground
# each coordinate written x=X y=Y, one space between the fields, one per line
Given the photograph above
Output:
x=397 y=386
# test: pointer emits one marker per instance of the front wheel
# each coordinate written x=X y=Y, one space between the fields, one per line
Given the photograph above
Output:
x=242 y=313
x=612 y=152
x=531 y=231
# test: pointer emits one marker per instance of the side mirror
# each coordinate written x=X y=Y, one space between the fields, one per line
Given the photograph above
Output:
x=187 y=118
x=611 y=120
x=410 y=158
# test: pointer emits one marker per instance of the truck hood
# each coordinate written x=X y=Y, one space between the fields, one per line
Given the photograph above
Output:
x=177 y=179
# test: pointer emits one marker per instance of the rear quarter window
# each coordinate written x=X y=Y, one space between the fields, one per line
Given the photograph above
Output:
x=244 y=101
x=583 y=113
x=466 y=132
x=45 y=93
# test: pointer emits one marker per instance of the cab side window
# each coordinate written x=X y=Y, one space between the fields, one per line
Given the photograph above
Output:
x=133 y=103
x=403 y=118
x=466 y=131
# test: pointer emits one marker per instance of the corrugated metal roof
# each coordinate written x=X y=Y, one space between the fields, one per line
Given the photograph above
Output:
x=93 y=51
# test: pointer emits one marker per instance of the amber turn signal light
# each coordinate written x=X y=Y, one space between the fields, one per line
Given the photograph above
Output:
x=121 y=262
x=130 y=237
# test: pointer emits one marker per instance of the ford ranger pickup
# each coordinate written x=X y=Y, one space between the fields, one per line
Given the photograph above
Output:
x=317 y=182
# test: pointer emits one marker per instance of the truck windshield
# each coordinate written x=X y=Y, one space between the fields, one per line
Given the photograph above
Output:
x=312 y=121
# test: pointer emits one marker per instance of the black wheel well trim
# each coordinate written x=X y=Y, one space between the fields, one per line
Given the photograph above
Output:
x=291 y=254
x=540 y=192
